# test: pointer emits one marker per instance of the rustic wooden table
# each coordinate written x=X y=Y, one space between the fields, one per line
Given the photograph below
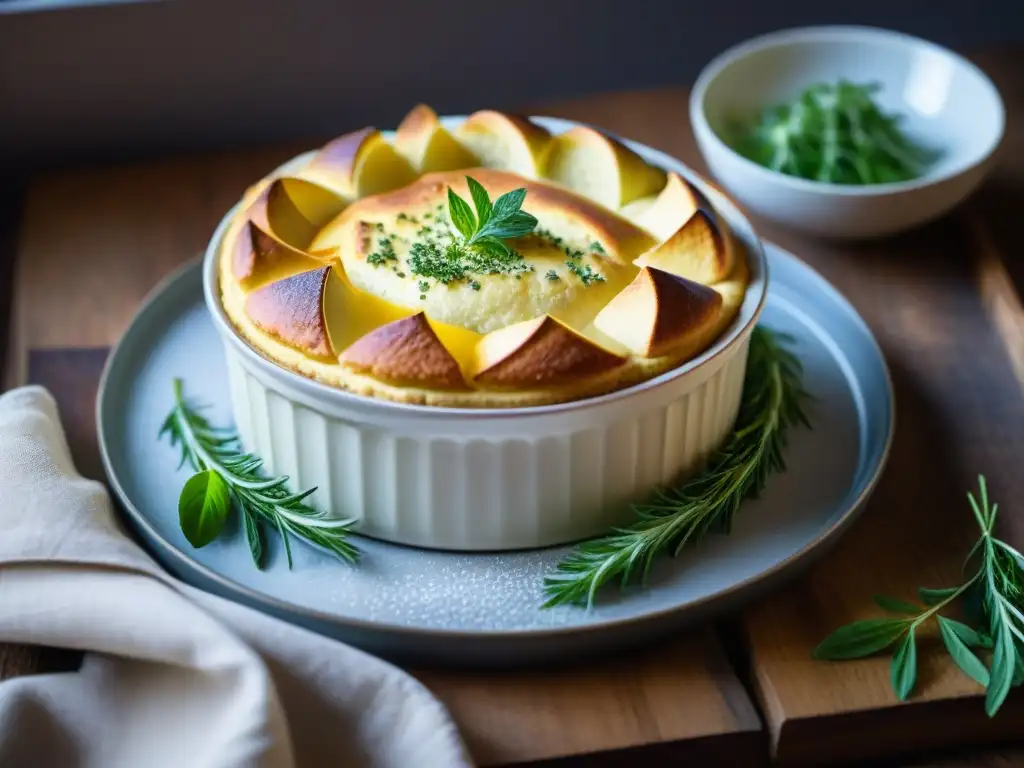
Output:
x=945 y=305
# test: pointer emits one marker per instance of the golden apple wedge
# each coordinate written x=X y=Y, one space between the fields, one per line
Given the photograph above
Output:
x=293 y=210
x=505 y=142
x=352 y=313
x=733 y=290
x=660 y=313
x=601 y=168
x=696 y=251
x=542 y=352
x=428 y=146
x=291 y=311
x=634 y=210
x=668 y=211
x=405 y=352
x=359 y=164
x=260 y=258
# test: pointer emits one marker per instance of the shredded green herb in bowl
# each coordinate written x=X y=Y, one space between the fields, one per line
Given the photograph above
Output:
x=834 y=133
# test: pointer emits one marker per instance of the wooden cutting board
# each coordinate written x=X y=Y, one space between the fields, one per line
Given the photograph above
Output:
x=944 y=305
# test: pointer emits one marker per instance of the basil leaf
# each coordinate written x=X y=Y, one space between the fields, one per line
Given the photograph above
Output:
x=861 y=638
x=933 y=596
x=903 y=670
x=203 y=507
x=509 y=203
x=1004 y=662
x=254 y=535
x=481 y=201
x=461 y=215
x=893 y=605
x=963 y=656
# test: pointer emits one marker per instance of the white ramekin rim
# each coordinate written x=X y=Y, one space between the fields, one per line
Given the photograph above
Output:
x=839 y=33
x=375 y=409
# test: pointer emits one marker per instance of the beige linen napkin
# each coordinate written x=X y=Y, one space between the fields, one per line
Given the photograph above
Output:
x=172 y=676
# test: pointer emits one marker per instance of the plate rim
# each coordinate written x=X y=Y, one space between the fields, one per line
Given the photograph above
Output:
x=246 y=595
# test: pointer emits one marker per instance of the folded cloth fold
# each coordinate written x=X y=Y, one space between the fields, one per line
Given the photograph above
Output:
x=172 y=676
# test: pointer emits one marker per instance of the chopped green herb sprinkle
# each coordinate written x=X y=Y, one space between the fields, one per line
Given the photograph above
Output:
x=424 y=286
x=584 y=272
x=448 y=262
x=379 y=226
x=596 y=247
x=552 y=275
x=546 y=235
x=385 y=252
x=474 y=285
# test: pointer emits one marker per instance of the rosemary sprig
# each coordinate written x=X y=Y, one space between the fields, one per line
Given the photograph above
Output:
x=227 y=477
x=992 y=598
x=773 y=400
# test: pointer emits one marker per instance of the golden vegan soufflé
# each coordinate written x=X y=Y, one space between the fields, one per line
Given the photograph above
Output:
x=360 y=270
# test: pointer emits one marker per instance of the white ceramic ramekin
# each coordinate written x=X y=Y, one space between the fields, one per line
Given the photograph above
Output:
x=494 y=479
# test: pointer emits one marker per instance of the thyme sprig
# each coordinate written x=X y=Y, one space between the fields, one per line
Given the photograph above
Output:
x=992 y=598
x=773 y=402
x=226 y=478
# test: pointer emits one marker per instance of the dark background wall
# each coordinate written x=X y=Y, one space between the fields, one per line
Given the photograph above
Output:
x=80 y=84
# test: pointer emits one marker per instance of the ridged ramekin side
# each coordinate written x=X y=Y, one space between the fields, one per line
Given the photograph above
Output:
x=481 y=489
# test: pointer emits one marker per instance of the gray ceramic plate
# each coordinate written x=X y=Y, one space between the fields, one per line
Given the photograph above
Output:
x=425 y=606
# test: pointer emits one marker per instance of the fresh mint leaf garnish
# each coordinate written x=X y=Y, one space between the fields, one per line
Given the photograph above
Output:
x=481 y=200
x=226 y=477
x=461 y=215
x=992 y=597
x=493 y=224
x=475 y=244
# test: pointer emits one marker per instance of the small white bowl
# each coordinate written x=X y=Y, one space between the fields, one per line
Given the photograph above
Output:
x=949 y=104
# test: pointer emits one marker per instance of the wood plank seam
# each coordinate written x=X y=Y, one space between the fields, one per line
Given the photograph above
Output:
x=999 y=295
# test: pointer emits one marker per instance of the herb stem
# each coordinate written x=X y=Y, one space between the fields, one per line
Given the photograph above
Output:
x=772 y=402
x=258 y=497
x=993 y=594
x=925 y=615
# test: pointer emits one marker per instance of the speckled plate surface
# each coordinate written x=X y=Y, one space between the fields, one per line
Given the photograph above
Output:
x=424 y=606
